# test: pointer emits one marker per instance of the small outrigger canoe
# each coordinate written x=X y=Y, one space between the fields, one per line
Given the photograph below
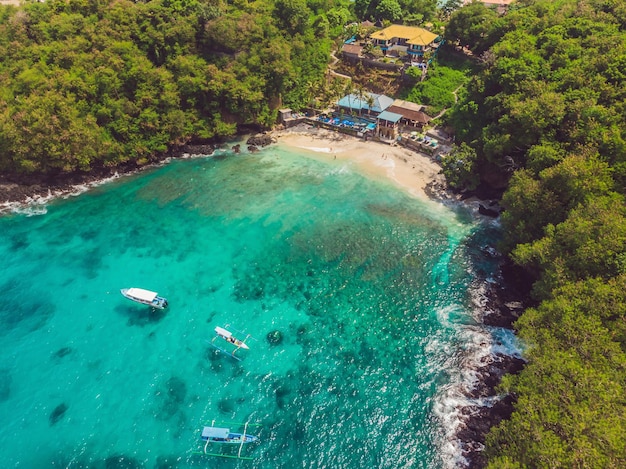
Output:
x=224 y=435
x=145 y=297
x=228 y=337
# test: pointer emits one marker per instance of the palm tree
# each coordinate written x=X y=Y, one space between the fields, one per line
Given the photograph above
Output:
x=360 y=91
x=370 y=102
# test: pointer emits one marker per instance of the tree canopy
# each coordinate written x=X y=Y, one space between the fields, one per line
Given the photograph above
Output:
x=545 y=118
x=95 y=84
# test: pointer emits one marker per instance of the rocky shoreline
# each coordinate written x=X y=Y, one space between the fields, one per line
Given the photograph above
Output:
x=504 y=300
x=26 y=189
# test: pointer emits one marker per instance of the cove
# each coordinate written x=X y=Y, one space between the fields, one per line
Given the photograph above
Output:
x=372 y=292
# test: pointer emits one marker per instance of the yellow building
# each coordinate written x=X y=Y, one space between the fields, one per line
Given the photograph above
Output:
x=414 y=40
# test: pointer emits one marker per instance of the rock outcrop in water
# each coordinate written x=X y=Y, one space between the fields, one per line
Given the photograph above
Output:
x=260 y=140
x=275 y=337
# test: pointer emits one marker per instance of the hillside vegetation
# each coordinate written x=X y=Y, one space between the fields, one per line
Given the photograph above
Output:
x=92 y=84
x=546 y=119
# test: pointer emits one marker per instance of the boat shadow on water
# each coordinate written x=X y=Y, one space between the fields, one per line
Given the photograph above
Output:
x=140 y=315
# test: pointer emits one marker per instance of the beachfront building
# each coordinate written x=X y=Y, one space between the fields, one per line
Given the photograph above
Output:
x=413 y=114
x=410 y=39
x=387 y=125
x=365 y=103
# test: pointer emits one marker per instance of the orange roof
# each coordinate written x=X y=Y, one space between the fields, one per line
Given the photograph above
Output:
x=412 y=34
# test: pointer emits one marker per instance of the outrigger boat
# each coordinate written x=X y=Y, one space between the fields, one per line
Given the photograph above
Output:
x=223 y=435
x=145 y=297
x=222 y=333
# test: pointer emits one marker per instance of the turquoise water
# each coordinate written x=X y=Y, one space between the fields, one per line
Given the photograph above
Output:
x=369 y=288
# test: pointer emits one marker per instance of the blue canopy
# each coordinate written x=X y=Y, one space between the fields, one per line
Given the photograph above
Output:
x=389 y=116
x=215 y=432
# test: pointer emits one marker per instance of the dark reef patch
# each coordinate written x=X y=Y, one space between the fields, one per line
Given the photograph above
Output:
x=226 y=406
x=19 y=242
x=274 y=337
x=5 y=384
x=58 y=413
x=167 y=462
x=282 y=392
x=63 y=352
x=31 y=313
x=89 y=234
x=119 y=461
x=211 y=317
x=215 y=359
x=171 y=398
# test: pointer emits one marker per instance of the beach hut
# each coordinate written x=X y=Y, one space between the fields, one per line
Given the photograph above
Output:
x=388 y=123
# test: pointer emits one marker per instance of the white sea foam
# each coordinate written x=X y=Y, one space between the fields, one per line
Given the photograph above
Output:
x=473 y=348
x=192 y=156
x=466 y=357
x=23 y=208
x=319 y=149
x=37 y=204
x=506 y=342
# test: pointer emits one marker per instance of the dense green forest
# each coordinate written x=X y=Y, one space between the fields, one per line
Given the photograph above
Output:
x=545 y=118
x=89 y=84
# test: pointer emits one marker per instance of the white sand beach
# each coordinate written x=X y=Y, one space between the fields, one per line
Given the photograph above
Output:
x=408 y=169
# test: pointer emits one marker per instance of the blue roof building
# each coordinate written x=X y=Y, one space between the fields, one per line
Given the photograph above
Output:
x=354 y=102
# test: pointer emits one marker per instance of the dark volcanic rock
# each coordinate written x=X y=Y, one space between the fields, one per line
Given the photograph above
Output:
x=506 y=299
x=492 y=373
x=479 y=422
x=195 y=150
x=488 y=212
x=260 y=140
